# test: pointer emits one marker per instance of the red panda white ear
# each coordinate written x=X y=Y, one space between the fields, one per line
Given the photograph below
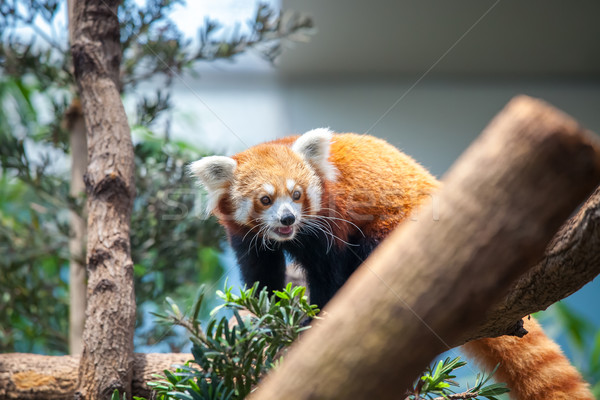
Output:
x=314 y=147
x=214 y=173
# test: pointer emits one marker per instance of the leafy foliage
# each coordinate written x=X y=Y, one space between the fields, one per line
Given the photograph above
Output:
x=437 y=382
x=33 y=239
x=230 y=360
x=232 y=356
x=37 y=92
x=34 y=232
x=172 y=249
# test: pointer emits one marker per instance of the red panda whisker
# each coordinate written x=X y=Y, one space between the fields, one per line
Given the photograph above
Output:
x=340 y=219
x=249 y=232
x=338 y=238
x=260 y=225
x=265 y=240
x=315 y=230
x=333 y=218
x=318 y=217
x=329 y=232
x=255 y=246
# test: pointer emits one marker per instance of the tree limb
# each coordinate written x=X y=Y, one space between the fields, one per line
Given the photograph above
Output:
x=458 y=396
x=33 y=376
x=571 y=260
x=77 y=277
x=402 y=306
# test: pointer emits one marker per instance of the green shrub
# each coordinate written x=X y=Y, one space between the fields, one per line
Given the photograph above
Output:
x=231 y=358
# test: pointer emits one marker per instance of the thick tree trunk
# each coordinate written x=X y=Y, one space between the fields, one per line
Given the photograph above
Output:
x=32 y=376
x=107 y=360
x=77 y=240
x=75 y=124
x=432 y=280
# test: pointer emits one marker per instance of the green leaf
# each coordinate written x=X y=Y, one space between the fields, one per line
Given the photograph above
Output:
x=576 y=326
x=116 y=396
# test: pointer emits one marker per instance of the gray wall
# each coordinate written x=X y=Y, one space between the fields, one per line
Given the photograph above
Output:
x=436 y=120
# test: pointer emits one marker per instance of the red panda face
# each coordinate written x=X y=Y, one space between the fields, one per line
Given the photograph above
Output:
x=271 y=189
x=274 y=189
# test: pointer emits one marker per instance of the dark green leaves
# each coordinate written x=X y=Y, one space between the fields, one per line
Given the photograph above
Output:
x=230 y=360
x=437 y=383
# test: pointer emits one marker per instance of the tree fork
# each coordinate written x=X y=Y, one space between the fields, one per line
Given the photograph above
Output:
x=431 y=281
x=107 y=360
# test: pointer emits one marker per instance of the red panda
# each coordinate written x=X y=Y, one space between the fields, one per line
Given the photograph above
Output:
x=327 y=200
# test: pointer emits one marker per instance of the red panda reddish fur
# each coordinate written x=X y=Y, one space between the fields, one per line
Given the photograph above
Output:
x=375 y=188
x=376 y=183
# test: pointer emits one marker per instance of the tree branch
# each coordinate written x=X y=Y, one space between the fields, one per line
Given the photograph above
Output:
x=571 y=260
x=458 y=396
x=401 y=307
x=32 y=376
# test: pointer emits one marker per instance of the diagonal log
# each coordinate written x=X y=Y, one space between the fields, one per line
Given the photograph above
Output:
x=402 y=307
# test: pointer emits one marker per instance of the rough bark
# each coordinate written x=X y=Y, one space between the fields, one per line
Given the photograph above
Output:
x=571 y=260
x=75 y=125
x=432 y=280
x=32 y=376
x=107 y=359
x=77 y=277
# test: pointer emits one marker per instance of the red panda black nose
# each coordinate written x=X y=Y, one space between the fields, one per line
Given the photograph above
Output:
x=287 y=219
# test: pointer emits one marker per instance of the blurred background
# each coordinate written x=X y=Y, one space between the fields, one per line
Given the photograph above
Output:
x=425 y=75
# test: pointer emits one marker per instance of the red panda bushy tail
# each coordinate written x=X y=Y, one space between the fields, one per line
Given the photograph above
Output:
x=533 y=367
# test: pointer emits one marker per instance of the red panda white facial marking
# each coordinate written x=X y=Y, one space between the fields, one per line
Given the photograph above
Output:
x=283 y=218
x=273 y=200
x=214 y=173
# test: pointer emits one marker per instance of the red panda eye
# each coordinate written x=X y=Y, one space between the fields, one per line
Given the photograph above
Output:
x=296 y=195
x=265 y=200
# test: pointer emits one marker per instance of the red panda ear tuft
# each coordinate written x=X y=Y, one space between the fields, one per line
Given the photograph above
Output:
x=214 y=173
x=314 y=147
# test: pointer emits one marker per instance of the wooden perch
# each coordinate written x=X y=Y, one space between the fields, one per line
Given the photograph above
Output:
x=32 y=376
x=431 y=281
